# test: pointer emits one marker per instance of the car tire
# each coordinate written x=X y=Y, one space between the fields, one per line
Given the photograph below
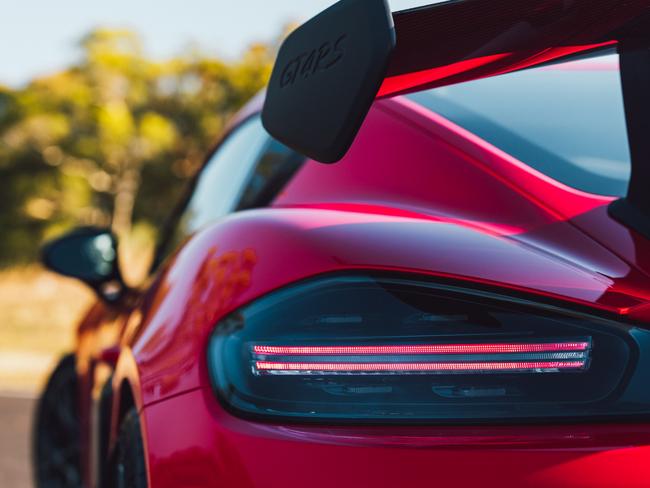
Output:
x=104 y=419
x=129 y=465
x=56 y=432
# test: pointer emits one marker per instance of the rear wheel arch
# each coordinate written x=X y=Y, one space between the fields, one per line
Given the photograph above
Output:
x=125 y=386
x=128 y=467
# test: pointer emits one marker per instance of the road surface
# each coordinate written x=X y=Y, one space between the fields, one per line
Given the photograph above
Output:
x=15 y=420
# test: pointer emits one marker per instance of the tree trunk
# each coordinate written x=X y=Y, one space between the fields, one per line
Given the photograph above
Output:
x=127 y=188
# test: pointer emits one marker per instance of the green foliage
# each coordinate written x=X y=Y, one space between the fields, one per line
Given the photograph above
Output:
x=99 y=142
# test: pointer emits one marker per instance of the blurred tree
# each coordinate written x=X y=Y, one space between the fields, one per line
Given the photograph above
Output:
x=100 y=142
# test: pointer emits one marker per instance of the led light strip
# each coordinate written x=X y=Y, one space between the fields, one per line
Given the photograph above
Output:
x=429 y=358
x=487 y=348
x=316 y=368
x=471 y=358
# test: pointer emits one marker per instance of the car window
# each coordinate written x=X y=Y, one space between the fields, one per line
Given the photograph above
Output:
x=218 y=186
x=565 y=120
x=246 y=171
x=275 y=167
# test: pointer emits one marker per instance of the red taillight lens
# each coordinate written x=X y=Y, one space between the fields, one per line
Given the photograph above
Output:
x=406 y=368
x=546 y=357
x=385 y=349
x=422 y=349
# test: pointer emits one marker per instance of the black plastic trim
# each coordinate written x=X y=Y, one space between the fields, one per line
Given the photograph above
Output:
x=630 y=215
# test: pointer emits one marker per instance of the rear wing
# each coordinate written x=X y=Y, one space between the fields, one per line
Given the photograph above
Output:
x=331 y=69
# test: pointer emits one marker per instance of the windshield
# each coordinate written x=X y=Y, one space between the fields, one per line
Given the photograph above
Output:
x=566 y=120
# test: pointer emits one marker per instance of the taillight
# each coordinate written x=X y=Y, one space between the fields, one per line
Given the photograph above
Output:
x=389 y=349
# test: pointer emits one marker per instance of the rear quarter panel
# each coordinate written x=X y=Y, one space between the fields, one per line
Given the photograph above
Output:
x=253 y=253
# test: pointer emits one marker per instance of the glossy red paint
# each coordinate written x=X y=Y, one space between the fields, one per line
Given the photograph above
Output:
x=416 y=194
x=498 y=194
x=196 y=443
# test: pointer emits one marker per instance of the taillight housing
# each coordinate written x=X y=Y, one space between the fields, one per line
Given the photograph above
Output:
x=387 y=349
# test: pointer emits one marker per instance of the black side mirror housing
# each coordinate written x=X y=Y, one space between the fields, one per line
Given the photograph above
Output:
x=90 y=255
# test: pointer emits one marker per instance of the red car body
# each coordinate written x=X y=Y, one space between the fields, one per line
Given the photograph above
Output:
x=417 y=195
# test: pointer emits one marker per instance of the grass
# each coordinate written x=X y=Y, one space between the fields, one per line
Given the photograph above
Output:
x=38 y=314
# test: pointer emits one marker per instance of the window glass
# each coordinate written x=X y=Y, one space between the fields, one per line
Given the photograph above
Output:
x=275 y=168
x=566 y=120
x=219 y=185
x=247 y=171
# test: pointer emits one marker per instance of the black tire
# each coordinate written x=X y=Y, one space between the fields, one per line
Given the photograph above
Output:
x=129 y=464
x=105 y=405
x=56 y=433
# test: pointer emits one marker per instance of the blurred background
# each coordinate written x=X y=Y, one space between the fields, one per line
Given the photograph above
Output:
x=106 y=110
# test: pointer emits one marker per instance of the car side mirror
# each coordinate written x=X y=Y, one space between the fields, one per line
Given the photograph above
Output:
x=90 y=255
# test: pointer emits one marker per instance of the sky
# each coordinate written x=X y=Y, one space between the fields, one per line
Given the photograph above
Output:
x=40 y=36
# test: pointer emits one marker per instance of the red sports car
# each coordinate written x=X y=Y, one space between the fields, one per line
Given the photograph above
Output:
x=462 y=300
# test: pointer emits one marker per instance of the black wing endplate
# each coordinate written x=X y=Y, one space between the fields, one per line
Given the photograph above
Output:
x=326 y=77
